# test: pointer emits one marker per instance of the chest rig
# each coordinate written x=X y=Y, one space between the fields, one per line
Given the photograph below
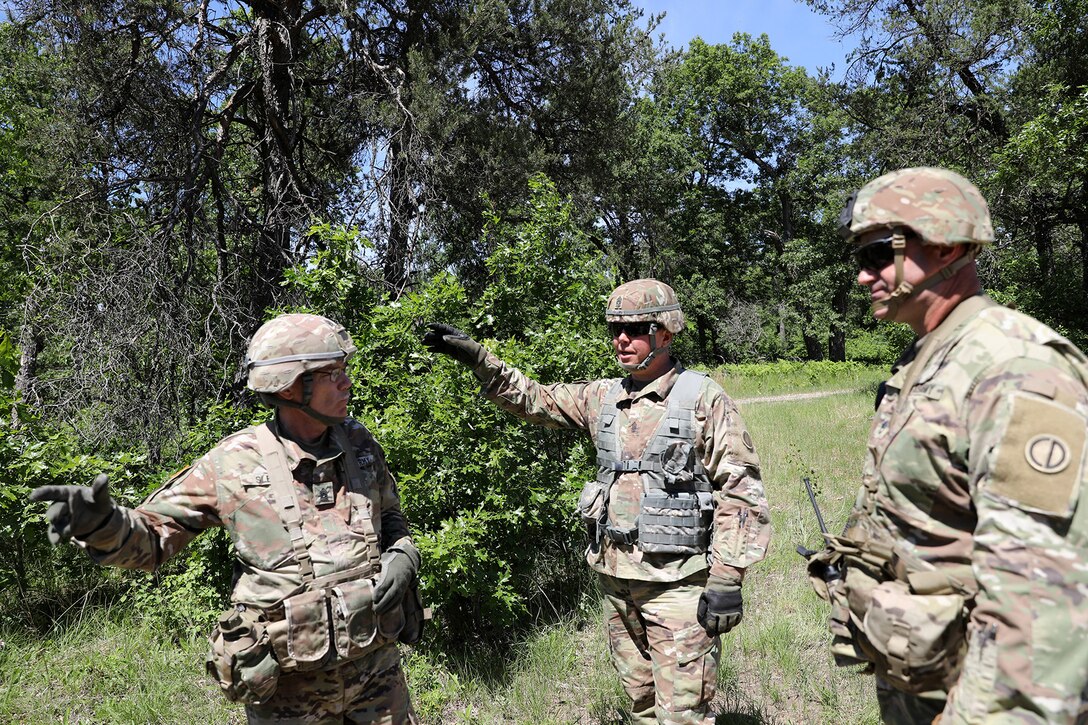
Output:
x=283 y=485
x=676 y=506
x=325 y=621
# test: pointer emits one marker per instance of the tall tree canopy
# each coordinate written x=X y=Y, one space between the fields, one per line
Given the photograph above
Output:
x=201 y=142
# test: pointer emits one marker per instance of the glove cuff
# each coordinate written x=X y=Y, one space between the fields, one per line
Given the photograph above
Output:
x=723 y=584
x=406 y=547
x=103 y=537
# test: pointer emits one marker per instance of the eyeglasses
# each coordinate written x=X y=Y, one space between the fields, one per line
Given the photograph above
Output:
x=335 y=375
x=632 y=329
x=875 y=256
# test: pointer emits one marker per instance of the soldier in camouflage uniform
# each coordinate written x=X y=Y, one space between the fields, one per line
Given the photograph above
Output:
x=323 y=554
x=677 y=511
x=965 y=561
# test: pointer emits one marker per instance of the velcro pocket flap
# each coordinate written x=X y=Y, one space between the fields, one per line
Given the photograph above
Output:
x=356 y=622
x=307 y=640
x=691 y=643
x=1040 y=459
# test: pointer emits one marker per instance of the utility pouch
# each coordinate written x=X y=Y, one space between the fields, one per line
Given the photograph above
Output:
x=301 y=639
x=354 y=619
x=357 y=628
x=591 y=507
x=917 y=641
x=240 y=656
x=675 y=524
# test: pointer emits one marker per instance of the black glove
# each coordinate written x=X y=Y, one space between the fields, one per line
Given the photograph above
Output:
x=398 y=571
x=77 y=510
x=451 y=341
x=720 y=606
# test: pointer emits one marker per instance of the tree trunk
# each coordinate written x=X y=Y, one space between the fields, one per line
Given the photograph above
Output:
x=30 y=344
x=836 y=342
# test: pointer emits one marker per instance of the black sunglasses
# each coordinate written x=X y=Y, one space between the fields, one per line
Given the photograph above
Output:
x=874 y=257
x=633 y=329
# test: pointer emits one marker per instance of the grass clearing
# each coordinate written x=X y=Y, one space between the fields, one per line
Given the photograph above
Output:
x=776 y=667
x=786 y=376
x=105 y=669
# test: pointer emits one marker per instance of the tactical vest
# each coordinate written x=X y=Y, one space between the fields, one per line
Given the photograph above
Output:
x=325 y=620
x=676 y=508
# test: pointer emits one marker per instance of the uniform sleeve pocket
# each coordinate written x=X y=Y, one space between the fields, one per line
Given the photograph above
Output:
x=1039 y=462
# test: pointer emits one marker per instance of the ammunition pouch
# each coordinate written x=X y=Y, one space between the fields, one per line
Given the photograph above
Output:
x=911 y=628
x=240 y=656
x=675 y=523
x=593 y=508
x=905 y=617
x=336 y=624
x=916 y=641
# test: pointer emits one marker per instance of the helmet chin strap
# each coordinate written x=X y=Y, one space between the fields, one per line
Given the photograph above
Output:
x=903 y=288
x=307 y=390
x=655 y=351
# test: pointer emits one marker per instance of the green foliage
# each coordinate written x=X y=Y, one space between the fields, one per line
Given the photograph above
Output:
x=42 y=581
x=490 y=498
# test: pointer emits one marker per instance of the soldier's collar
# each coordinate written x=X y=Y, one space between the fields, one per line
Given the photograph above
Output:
x=659 y=386
x=320 y=451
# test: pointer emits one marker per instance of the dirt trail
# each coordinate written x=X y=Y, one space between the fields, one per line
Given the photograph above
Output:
x=796 y=396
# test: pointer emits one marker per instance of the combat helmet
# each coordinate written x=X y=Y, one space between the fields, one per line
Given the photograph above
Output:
x=939 y=206
x=646 y=300
x=290 y=346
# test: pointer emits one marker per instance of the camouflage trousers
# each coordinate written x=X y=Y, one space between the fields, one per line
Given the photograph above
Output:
x=371 y=689
x=666 y=661
x=901 y=708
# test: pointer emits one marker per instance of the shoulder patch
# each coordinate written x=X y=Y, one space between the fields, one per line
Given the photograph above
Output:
x=1040 y=459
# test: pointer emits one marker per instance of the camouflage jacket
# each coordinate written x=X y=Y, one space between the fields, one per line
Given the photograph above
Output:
x=230 y=487
x=742 y=527
x=979 y=466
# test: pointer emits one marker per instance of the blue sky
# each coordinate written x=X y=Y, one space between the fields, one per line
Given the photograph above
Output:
x=794 y=30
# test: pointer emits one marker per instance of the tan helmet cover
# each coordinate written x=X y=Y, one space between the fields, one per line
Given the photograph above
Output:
x=645 y=300
x=289 y=345
x=938 y=205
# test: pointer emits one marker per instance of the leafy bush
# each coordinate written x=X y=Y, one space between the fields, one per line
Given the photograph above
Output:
x=490 y=498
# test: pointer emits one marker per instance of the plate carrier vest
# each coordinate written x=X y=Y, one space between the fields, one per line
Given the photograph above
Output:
x=676 y=507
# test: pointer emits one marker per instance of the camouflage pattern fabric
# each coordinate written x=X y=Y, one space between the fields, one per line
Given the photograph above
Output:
x=939 y=205
x=645 y=300
x=980 y=462
x=741 y=532
x=742 y=526
x=230 y=487
x=666 y=662
x=290 y=345
x=371 y=689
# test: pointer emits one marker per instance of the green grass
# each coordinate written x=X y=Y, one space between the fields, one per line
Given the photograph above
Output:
x=776 y=668
x=103 y=669
x=786 y=376
x=783 y=640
